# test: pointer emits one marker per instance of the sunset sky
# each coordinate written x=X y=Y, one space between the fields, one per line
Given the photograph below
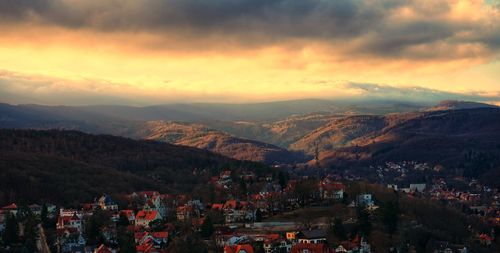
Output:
x=143 y=52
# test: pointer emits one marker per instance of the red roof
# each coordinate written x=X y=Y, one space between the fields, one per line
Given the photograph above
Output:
x=170 y=227
x=485 y=237
x=233 y=204
x=102 y=249
x=161 y=235
x=146 y=215
x=310 y=247
x=12 y=206
x=271 y=238
x=237 y=248
x=185 y=208
x=88 y=206
x=148 y=194
x=128 y=213
x=61 y=220
x=70 y=230
x=217 y=206
x=145 y=248
x=335 y=186
x=139 y=235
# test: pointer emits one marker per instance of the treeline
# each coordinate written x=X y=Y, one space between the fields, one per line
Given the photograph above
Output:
x=66 y=167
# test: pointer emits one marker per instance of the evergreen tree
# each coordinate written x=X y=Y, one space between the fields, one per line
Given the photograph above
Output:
x=125 y=239
x=339 y=229
x=282 y=180
x=258 y=215
x=389 y=212
x=30 y=231
x=364 y=224
x=11 y=232
x=207 y=229
x=44 y=214
x=123 y=221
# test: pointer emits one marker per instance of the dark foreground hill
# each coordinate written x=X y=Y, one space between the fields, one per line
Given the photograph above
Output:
x=67 y=166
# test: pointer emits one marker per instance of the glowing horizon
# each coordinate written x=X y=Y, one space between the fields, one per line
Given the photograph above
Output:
x=150 y=52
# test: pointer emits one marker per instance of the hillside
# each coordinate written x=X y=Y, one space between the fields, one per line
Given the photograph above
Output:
x=60 y=166
x=453 y=138
x=281 y=132
x=459 y=105
x=202 y=137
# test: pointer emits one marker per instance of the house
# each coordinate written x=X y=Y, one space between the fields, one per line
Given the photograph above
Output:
x=154 y=201
x=309 y=248
x=417 y=187
x=238 y=211
x=71 y=240
x=275 y=243
x=365 y=200
x=185 y=212
x=315 y=236
x=357 y=244
x=225 y=175
x=103 y=249
x=160 y=237
x=331 y=190
x=70 y=222
x=36 y=209
x=485 y=239
x=149 y=241
x=70 y=213
x=217 y=207
x=106 y=203
x=129 y=214
x=143 y=217
x=291 y=236
x=12 y=209
x=146 y=248
x=240 y=248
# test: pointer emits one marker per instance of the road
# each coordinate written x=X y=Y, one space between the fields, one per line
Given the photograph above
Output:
x=41 y=242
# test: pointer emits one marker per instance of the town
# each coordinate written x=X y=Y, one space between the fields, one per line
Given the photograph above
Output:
x=273 y=213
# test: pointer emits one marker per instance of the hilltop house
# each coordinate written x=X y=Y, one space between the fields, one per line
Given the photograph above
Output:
x=365 y=200
x=331 y=190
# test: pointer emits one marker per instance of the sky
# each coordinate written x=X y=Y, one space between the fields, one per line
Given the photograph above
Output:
x=142 y=52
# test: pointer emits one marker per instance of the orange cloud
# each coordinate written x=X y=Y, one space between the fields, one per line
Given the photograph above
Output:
x=248 y=50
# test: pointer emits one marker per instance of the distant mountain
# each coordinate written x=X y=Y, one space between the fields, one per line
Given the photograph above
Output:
x=257 y=132
x=20 y=115
x=202 y=137
x=450 y=137
x=281 y=132
x=457 y=105
x=61 y=166
x=240 y=131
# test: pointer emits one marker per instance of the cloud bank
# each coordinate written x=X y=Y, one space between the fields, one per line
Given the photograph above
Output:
x=151 y=51
x=406 y=29
x=20 y=89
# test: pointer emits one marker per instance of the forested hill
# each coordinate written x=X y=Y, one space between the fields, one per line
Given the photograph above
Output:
x=70 y=166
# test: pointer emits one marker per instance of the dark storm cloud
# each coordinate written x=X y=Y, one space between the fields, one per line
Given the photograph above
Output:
x=262 y=22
